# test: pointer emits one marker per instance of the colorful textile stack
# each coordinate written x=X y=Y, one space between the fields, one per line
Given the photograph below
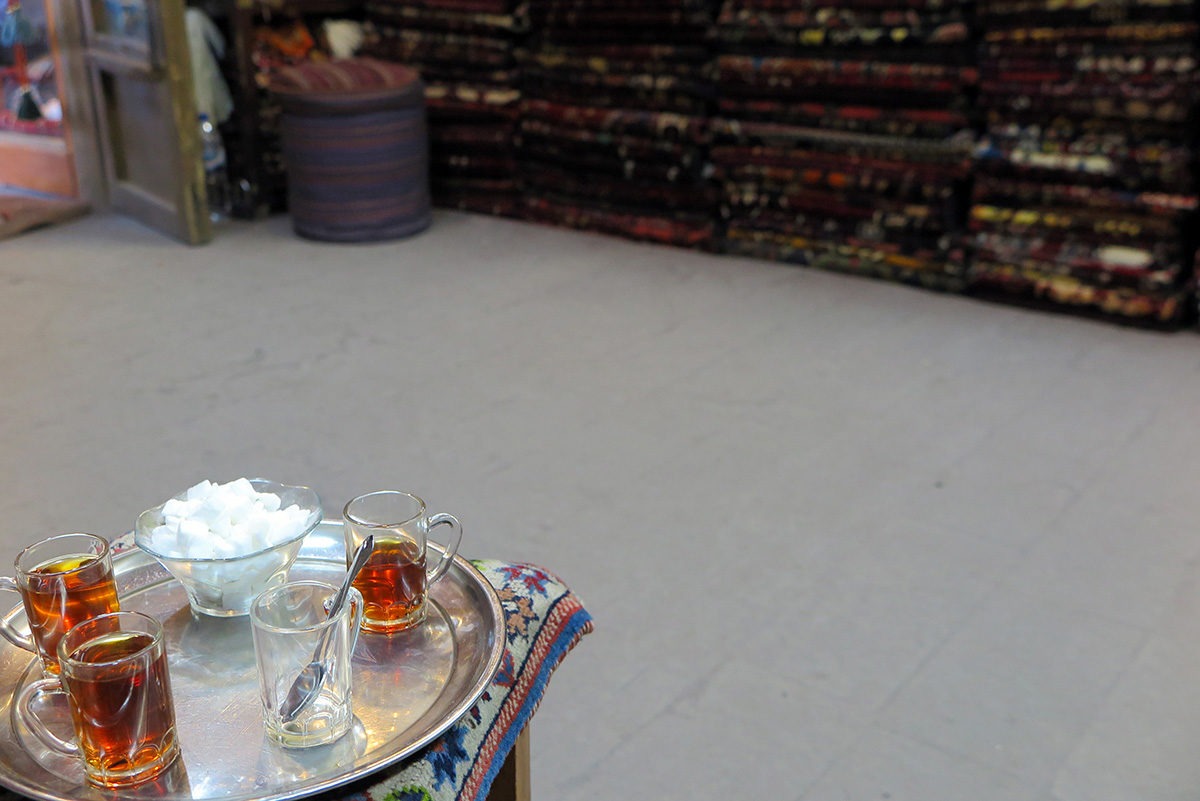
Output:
x=613 y=125
x=842 y=138
x=1086 y=193
x=464 y=50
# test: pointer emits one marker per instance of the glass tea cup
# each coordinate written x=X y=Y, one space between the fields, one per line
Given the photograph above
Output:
x=292 y=630
x=395 y=581
x=114 y=674
x=62 y=580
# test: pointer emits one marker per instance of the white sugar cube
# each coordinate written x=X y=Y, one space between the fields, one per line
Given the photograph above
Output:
x=242 y=487
x=222 y=528
x=256 y=530
x=224 y=548
x=224 y=521
x=200 y=491
x=176 y=508
x=191 y=529
x=166 y=540
x=270 y=501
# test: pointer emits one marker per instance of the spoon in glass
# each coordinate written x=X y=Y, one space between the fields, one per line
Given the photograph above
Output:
x=307 y=685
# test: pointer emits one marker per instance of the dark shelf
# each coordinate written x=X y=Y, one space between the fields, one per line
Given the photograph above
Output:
x=256 y=175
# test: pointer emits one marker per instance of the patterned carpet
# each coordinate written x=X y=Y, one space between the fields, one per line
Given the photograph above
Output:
x=20 y=213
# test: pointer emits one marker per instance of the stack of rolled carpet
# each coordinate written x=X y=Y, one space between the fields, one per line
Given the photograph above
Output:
x=613 y=127
x=1086 y=193
x=465 y=52
x=842 y=137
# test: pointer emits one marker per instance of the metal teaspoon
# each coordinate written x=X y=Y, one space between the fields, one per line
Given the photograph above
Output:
x=307 y=685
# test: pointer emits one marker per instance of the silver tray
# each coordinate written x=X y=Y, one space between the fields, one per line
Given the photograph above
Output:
x=408 y=689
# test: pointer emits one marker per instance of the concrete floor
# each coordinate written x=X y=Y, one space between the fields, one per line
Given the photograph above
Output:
x=842 y=539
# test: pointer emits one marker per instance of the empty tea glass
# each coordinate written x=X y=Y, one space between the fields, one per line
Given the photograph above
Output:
x=114 y=674
x=62 y=580
x=292 y=630
x=396 y=579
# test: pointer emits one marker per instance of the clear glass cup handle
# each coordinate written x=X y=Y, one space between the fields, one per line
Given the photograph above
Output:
x=443 y=565
x=6 y=629
x=30 y=718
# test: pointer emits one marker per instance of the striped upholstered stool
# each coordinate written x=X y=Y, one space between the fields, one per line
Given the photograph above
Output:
x=356 y=149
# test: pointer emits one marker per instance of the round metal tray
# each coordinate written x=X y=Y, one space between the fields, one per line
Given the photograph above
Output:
x=408 y=688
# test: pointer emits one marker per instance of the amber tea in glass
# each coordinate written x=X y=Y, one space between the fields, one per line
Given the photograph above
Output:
x=393 y=581
x=63 y=581
x=114 y=674
x=396 y=579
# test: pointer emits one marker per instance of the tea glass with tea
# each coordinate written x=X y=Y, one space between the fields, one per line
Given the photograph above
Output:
x=293 y=634
x=62 y=580
x=113 y=671
x=395 y=581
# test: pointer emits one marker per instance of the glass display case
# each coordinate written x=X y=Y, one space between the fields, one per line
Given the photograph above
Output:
x=28 y=77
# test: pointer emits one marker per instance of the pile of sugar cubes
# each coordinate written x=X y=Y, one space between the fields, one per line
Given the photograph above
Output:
x=220 y=521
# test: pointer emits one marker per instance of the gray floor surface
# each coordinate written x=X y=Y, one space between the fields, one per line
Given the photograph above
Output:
x=842 y=539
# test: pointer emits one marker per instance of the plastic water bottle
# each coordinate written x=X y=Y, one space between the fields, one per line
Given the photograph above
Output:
x=216 y=173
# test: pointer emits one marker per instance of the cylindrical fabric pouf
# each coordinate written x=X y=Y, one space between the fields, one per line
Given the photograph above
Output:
x=356 y=149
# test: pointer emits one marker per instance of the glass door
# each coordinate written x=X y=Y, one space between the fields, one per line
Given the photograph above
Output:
x=35 y=148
